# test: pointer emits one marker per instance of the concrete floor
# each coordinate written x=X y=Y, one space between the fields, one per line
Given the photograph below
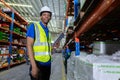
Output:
x=21 y=72
x=57 y=68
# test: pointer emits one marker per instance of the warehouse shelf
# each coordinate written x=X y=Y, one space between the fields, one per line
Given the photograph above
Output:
x=2 y=67
x=17 y=44
x=4 y=30
x=5 y=16
x=86 y=10
x=12 y=65
x=16 y=35
x=4 y=54
x=101 y=10
x=96 y=14
x=21 y=19
x=18 y=24
x=70 y=8
x=15 y=30
x=10 y=20
x=18 y=63
x=18 y=19
x=4 y=42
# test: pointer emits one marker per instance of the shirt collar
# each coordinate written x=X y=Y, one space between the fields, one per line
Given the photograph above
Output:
x=44 y=27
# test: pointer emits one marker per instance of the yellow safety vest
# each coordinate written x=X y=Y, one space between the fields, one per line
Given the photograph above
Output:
x=42 y=45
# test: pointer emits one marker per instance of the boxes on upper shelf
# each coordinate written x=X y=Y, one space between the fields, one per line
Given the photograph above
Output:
x=17 y=30
x=105 y=47
x=5 y=26
x=6 y=9
x=4 y=50
x=3 y=36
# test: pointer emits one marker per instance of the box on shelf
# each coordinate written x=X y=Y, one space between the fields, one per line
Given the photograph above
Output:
x=4 y=25
x=21 y=51
x=106 y=47
x=23 y=41
x=4 y=50
x=17 y=30
x=22 y=26
x=6 y=9
x=3 y=36
x=15 y=41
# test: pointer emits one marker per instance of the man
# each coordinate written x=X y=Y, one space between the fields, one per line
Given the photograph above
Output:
x=39 y=47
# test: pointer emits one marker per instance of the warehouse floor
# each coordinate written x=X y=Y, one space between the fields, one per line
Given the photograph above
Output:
x=21 y=72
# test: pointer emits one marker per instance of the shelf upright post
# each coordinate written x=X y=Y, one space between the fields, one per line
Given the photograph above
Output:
x=76 y=8
x=77 y=46
x=11 y=36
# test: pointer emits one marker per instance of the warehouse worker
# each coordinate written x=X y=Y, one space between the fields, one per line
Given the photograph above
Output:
x=39 y=46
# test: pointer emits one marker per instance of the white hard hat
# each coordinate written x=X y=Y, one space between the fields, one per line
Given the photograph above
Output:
x=45 y=9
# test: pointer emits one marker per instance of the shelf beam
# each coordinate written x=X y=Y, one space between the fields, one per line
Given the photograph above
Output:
x=10 y=20
x=4 y=54
x=101 y=10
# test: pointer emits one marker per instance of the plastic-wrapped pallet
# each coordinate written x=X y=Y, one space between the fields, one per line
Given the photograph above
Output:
x=83 y=70
x=80 y=73
x=94 y=67
x=72 y=65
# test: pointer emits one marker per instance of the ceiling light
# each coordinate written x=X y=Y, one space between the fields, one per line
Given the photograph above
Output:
x=53 y=13
x=20 y=5
x=31 y=21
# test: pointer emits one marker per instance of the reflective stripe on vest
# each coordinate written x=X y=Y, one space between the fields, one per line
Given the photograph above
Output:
x=41 y=53
x=42 y=45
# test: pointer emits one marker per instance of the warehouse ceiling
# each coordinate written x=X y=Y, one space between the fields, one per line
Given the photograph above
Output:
x=29 y=9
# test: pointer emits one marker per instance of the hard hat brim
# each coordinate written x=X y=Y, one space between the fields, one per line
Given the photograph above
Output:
x=45 y=11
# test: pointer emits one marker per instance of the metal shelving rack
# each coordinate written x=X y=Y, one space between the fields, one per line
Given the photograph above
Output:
x=97 y=13
x=11 y=33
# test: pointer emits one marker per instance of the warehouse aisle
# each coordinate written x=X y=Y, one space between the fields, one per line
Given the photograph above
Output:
x=21 y=72
x=57 y=70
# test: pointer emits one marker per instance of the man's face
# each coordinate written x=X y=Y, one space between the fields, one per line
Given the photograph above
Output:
x=45 y=17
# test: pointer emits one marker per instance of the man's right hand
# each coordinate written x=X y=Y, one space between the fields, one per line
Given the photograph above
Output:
x=34 y=72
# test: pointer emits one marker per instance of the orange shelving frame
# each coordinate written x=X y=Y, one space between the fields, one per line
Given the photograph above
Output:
x=10 y=20
x=16 y=13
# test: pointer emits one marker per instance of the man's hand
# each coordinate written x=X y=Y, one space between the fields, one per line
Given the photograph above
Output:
x=34 y=72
